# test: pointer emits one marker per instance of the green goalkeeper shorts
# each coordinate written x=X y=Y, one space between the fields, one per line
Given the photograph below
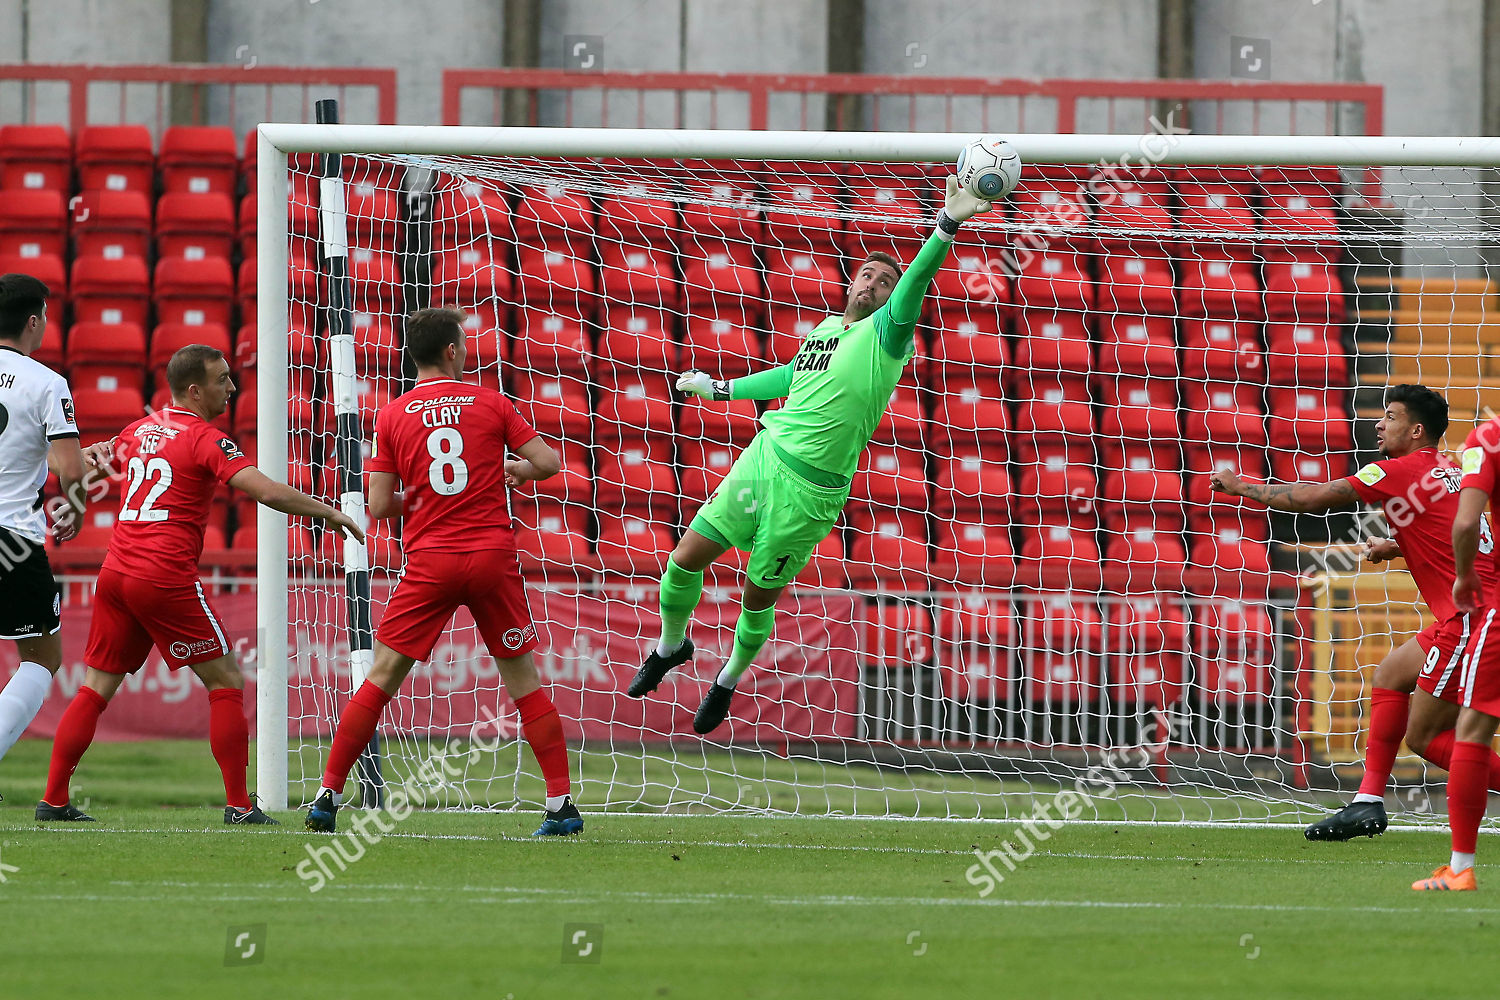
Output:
x=766 y=509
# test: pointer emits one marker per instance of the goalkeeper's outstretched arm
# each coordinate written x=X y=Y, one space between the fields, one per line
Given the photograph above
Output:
x=773 y=383
x=896 y=321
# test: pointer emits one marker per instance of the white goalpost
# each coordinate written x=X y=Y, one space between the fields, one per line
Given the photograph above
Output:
x=1032 y=584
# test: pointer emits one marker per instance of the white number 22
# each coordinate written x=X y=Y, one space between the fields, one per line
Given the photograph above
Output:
x=139 y=472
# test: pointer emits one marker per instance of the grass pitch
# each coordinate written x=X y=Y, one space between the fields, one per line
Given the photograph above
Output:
x=153 y=901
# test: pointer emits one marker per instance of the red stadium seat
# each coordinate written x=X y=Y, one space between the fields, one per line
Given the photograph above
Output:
x=636 y=399
x=639 y=275
x=1061 y=679
x=1301 y=201
x=902 y=422
x=1306 y=354
x=199 y=159
x=101 y=343
x=724 y=344
x=891 y=476
x=968 y=344
x=1239 y=641
x=1060 y=622
x=1222 y=349
x=474 y=272
x=703 y=466
x=897 y=634
x=1308 y=419
x=973 y=281
x=1053 y=279
x=1053 y=342
x=372 y=203
x=375 y=279
x=36 y=158
x=890 y=553
x=1137 y=345
x=111 y=224
x=971 y=416
x=826 y=569
x=194 y=291
x=1304 y=289
x=1229 y=545
x=85 y=551
x=557 y=405
x=1214 y=200
x=637 y=337
x=557 y=276
x=633 y=546
x=1219 y=280
x=733 y=423
x=1057 y=415
x=1223 y=413
x=1305 y=467
x=802 y=207
x=551 y=341
x=115 y=158
x=1139 y=409
x=466 y=209
x=1126 y=203
x=109 y=291
x=805 y=277
x=552 y=215
x=33 y=223
x=718 y=275
x=636 y=476
x=377 y=350
x=975 y=550
x=1059 y=555
x=636 y=220
x=1054 y=482
x=574 y=483
x=195 y=226
x=728 y=208
x=1147 y=625
x=1137 y=280
x=895 y=204
x=552 y=538
x=1142 y=491
x=1146 y=557
x=970 y=482
x=1200 y=461
x=979 y=632
x=105 y=411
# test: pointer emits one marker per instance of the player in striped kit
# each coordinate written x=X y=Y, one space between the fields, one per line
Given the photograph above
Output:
x=37 y=432
x=1416 y=691
x=787 y=489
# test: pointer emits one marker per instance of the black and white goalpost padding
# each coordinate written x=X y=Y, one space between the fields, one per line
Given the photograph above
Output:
x=349 y=438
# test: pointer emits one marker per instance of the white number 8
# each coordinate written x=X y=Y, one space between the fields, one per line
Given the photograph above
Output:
x=1486 y=538
x=448 y=474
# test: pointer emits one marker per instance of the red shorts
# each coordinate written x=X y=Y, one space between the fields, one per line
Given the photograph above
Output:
x=1446 y=644
x=1479 y=679
x=131 y=615
x=436 y=584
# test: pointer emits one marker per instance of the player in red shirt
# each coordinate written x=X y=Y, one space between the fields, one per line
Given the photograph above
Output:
x=1479 y=681
x=442 y=441
x=148 y=592
x=1417 y=488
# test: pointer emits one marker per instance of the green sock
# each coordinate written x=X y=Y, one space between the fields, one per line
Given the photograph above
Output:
x=750 y=634
x=680 y=593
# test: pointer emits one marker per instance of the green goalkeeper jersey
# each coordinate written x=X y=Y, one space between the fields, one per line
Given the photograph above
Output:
x=842 y=378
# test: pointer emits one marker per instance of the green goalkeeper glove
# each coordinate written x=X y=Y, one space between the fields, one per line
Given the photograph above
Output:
x=703 y=385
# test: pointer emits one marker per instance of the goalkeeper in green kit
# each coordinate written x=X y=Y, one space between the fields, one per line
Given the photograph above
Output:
x=786 y=490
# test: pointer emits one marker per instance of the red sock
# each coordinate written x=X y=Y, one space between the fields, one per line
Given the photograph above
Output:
x=1440 y=752
x=543 y=731
x=1467 y=793
x=355 y=730
x=1387 y=725
x=75 y=731
x=229 y=739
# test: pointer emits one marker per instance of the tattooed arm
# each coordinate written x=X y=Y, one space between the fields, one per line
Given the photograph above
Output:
x=1297 y=498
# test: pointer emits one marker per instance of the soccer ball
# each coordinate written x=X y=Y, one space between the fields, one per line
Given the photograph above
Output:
x=989 y=167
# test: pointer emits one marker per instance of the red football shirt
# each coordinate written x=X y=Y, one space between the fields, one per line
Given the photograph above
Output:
x=1481 y=469
x=173 y=461
x=445 y=440
x=1419 y=494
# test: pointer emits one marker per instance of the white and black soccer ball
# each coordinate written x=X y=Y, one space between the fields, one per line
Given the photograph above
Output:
x=989 y=167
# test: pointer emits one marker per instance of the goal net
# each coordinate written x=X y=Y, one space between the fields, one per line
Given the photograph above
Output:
x=1032 y=587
